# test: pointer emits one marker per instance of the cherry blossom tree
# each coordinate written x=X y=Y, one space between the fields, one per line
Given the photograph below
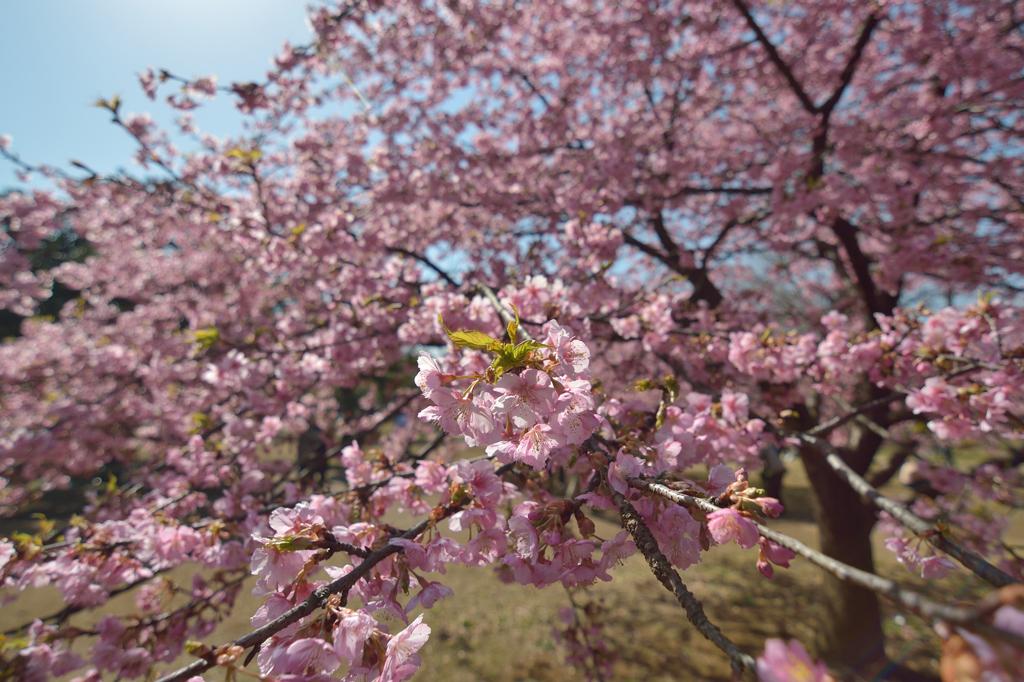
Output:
x=634 y=245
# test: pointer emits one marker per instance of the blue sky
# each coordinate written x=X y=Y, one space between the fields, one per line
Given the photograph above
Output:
x=58 y=56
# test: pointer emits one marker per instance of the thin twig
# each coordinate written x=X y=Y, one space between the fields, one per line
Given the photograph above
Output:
x=897 y=394
x=865 y=421
x=426 y=261
x=500 y=309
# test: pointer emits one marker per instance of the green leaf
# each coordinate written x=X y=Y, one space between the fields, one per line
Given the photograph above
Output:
x=471 y=339
x=510 y=356
x=196 y=648
x=643 y=385
x=207 y=337
x=459 y=493
x=112 y=104
x=475 y=340
x=499 y=365
x=513 y=327
x=290 y=543
x=245 y=156
x=200 y=422
x=519 y=351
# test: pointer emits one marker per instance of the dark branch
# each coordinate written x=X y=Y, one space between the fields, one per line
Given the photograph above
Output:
x=669 y=577
x=776 y=58
x=426 y=261
x=851 y=66
x=821 y=137
x=703 y=288
x=876 y=301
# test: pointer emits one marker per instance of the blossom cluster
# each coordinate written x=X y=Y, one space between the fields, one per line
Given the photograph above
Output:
x=536 y=407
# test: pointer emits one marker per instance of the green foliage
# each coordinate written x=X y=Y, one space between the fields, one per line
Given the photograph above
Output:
x=507 y=355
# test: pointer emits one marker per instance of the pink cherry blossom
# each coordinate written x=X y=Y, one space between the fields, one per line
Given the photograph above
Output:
x=777 y=554
x=573 y=355
x=458 y=415
x=734 y=406
x=770 y=506
x=771 y=553
x=728 y=524
x=299 y=656
x=525 y=537
x=720 y=478
x=7 y=552
x=783 y=662
x=430 y=376
x=352 y=631
x=431 y=593
x=533 y=447
x=526 y=398
x=402 y=648
x=936 y=567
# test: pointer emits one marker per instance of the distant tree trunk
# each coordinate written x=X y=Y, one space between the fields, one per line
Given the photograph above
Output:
x=773 y=472
x=851 y=629
x=850 y=634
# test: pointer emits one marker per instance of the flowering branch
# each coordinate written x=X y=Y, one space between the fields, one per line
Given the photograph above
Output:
x=928 y=531
x=669 y=577
x=890 y=589
x=897 y=394
x=316 y=600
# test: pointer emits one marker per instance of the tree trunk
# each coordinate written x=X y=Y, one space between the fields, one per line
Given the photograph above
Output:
x=850 y=634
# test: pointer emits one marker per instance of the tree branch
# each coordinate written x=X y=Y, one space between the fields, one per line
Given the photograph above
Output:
x=820 y=142
x=876 y=301
x=669 y=244
x=426 y=261
x=923 y=528
x=912 y=601
x=703 y=288
x=881 y=476
x=776 y=58
x=315 y=601
x=669 y=577
x=735 y=222
x=503 y=313
x=837 y=421
x=851 y=65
